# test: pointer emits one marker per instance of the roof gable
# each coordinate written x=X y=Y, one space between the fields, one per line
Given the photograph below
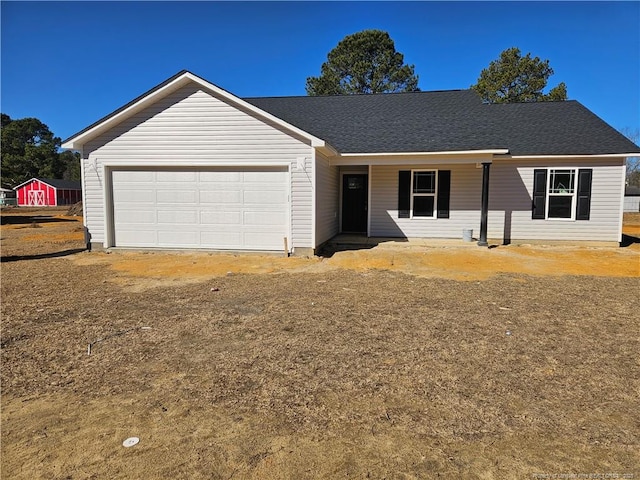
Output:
x=170 y=85
x=55 y=183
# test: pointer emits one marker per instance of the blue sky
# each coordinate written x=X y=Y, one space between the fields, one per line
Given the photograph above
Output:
x=70 y=63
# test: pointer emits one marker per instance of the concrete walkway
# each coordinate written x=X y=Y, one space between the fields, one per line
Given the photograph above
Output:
x=352 y=242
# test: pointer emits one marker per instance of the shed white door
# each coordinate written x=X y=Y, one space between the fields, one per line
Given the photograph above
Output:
x=35 y=197
x=223 y=208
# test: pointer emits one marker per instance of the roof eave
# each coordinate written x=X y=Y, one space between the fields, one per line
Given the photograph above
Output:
x=41 y=180
x=495 y=151
x=560 y=156
x=384 y=158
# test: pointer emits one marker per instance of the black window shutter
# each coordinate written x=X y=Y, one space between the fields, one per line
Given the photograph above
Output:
x=404 y=193
x=444 y=193
x=539 y=193
x=584 y=194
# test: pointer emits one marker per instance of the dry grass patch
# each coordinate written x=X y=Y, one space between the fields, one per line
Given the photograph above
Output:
x=322 y=372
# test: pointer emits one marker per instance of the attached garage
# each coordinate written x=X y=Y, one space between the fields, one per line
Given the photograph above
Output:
x=237 y=208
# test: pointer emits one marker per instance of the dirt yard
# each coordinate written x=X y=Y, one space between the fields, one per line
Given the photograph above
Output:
x=393 y=362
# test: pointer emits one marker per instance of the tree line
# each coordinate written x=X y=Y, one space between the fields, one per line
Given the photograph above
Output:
x=29 y=149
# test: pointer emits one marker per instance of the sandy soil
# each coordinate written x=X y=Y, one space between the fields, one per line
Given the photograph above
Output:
x=385 y=363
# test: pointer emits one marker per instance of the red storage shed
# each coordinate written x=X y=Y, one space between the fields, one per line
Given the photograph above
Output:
x=47 y=192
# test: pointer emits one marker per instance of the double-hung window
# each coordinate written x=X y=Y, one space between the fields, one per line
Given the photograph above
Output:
x=423 y=194
x=562 y=193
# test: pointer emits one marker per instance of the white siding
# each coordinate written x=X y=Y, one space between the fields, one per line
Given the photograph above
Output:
x=510 y=188
x=302 y=204
x=466 y=190
x=327 y=200
x=510 y=198
x=192 y=127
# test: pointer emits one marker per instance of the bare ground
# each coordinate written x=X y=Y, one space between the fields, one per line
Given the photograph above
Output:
x=347 y=367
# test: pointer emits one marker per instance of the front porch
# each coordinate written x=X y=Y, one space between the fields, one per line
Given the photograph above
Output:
x=348 y=241
x=428 y=199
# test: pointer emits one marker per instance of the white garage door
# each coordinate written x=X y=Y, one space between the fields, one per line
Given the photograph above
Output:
x=244 y=209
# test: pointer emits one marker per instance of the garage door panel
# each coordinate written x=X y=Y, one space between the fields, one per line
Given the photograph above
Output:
x=186 y=239
x=264 y=218
x=177 y=197
x=265 y=197
x=220 y=196
x=241 y=208
x=176 y=177
x=220 y=218
x=256 y=240
x=180 y=217
x=136 y=217
x=272 y=185
x=132 y=176
x=135 y=195
x=220 y=176
x=221 y=239
x=259 y=176
x=137 y=237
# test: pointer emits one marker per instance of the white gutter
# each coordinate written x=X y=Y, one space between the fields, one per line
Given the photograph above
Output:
x=501 y=151
x=564 y=157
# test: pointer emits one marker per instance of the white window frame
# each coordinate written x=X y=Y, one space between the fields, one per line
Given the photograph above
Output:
x=574 y=194
x=434 y=194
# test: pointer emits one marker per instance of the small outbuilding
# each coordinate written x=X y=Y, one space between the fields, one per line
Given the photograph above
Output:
x=7 y=196
x=47 y=192
x=631 y=199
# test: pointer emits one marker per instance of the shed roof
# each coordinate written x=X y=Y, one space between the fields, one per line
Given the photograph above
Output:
x=55 y=183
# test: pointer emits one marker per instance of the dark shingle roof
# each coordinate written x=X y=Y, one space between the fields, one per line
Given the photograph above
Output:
x=447 y=121
x=453 y=120
x=62 y=184
x=632 y=191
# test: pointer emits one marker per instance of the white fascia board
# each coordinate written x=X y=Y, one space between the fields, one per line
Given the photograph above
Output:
x=24 y=183
x=563 y=157
x=31 y=180
x=78 y=141
x=328 y=151
x=459 y=157
x=501 y=151
x=229 y=97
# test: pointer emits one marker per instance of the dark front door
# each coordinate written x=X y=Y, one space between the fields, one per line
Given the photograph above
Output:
x=354 y=203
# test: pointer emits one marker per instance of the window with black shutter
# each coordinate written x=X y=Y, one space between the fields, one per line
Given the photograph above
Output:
x=561 y=193
x=424 y=193
x=538 y=208
x=444 y=193
x=584 y=194
x=404 y=193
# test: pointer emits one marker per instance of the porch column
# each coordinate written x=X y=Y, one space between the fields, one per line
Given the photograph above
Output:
x=482 y=242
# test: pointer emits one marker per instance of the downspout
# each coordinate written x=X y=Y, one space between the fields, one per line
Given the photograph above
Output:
x=482 y=242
